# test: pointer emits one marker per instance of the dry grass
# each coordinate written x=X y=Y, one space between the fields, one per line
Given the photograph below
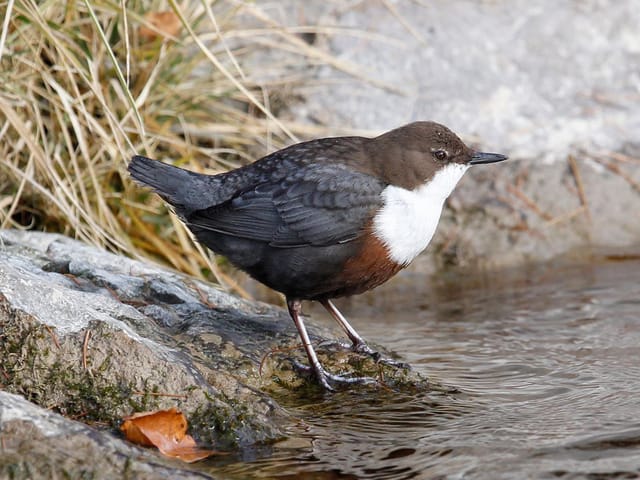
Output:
x=84 y=88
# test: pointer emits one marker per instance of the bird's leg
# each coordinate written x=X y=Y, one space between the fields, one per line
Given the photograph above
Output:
x=358 y=344
x=295 y=309
x=324 y=377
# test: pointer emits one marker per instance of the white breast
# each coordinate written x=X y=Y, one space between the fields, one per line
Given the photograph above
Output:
x=407 y=221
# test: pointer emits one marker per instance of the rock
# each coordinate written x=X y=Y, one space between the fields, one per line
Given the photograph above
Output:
x=83 y=322
x=508 y=73
x=38 y=443
x=530 y=212
x=94 y=336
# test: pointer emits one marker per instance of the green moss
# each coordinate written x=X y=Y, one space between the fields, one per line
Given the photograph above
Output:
x=228 y=423
x=53 y=377
x=91 y=398
x=222 y=425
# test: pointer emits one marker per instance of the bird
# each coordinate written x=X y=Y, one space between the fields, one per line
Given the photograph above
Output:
x=324 y=218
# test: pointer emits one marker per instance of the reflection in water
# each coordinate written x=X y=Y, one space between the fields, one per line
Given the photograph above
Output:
x=547 y=362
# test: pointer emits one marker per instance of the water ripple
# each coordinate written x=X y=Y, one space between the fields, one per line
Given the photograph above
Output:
x=547 y=363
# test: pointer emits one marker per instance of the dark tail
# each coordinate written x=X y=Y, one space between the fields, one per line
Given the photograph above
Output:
x=185 y=190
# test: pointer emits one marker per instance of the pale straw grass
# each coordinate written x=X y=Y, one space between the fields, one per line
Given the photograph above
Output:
x=82 y=90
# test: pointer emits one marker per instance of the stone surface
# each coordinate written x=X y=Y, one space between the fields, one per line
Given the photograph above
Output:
x=104 y=335
x=527 y=212
x=89 y=335
x=38 y=443
x=533 y=79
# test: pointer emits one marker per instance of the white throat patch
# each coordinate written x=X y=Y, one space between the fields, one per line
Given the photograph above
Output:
x=407 y=221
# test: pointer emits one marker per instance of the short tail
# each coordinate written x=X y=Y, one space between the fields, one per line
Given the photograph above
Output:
x=185 y=190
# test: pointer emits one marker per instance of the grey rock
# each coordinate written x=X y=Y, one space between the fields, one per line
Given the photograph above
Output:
x=528 y=212
x=46 y=316
x=38 y=443
x=535 y=79
x=92 y=335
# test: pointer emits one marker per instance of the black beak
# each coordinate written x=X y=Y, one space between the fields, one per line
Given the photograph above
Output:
x=480 y=157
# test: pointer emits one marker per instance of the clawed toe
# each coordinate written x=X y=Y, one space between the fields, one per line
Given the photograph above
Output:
x=358 y=345
x=392 y=363
x=364 y=349
x=328 y=380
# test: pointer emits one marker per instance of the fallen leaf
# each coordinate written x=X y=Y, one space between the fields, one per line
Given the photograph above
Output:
x=166 y=23
x=167 y=431
x=170 y=424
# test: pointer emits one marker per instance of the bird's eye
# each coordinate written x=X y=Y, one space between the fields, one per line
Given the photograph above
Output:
x=440 y=154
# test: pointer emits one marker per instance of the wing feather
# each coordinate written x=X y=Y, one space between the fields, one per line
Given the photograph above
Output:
x=320 y=204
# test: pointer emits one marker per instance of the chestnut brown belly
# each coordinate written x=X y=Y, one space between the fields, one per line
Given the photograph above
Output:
x=368 y=269
x=317 y=273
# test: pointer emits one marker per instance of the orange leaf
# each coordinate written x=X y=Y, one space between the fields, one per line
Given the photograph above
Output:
x=166 y=23
x=166 y=430
x=169 y=424
x=186 y=449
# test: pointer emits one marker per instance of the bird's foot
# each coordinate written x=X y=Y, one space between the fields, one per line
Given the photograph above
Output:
x=363 y=349
x=328 y=380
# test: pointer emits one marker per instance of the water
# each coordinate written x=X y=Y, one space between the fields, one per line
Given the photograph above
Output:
x=547 y=362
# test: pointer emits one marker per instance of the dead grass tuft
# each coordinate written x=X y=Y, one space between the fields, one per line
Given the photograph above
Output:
x=87 y=84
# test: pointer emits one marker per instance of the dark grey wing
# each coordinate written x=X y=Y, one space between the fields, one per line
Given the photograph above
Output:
x=250 y=214
x=318 y=205
x=325 y=204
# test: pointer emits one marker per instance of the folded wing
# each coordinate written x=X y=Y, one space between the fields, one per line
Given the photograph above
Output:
x=319 y=204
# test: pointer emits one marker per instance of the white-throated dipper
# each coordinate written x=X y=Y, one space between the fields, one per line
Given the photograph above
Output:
x=324 y=218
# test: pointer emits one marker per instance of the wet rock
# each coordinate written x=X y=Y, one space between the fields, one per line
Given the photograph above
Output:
x=93 y=348
x=94 y=337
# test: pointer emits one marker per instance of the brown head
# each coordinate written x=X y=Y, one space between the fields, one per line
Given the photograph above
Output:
x=411 y=155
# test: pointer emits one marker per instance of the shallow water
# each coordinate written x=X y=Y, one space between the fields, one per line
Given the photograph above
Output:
x=547 y=362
